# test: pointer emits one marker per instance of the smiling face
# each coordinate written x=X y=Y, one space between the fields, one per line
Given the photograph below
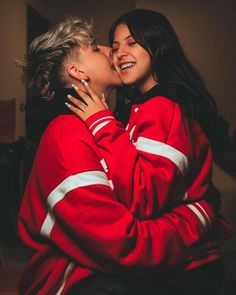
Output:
x=96 y=63
x=132 y=61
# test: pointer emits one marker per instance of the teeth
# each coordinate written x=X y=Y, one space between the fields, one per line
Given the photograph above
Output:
x=127 y=65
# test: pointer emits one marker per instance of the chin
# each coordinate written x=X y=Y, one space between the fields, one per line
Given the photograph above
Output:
x=117 y=83
x=128 y=80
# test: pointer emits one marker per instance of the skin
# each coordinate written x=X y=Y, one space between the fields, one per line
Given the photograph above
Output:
x=94 y=65
x=133 y=64
x=127 y=52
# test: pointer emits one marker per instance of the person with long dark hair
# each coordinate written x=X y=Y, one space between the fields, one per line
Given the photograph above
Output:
x=163 y=157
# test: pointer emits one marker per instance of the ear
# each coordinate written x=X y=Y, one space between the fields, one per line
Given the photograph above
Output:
x=76 y=73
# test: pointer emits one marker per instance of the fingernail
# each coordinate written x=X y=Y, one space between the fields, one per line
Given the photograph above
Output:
x=84 y=82
x=74 y=86
x=68 y=105
x=103 y=95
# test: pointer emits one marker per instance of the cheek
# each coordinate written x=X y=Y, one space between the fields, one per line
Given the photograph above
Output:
x=145 y=61
x=115 y=60
x=103 y=72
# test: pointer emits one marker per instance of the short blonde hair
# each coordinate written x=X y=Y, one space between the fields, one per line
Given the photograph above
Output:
x=43 y=67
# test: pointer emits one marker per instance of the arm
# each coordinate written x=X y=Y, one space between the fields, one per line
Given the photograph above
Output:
x=155 y=159
x=153 y=171
x=83 y=218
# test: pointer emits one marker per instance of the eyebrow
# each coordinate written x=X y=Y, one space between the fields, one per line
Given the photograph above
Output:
x=124 y=39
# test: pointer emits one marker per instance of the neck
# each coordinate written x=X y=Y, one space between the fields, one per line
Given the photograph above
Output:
x=101 y=90
x=146 y=84
x=147 y=87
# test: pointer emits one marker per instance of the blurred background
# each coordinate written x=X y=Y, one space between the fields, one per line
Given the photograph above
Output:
x=206 y=29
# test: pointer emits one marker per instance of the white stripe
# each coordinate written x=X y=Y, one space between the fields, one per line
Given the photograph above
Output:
x=208 y=218
x=163 y=149
x=66 y=275
x=48 y=224
x=132 y=132
x=75 y=181
x=111 y=184
x=127 y=127
x=70 y=183
x=94 y=123
x=104 y=165
x=98 y=127
x=198 y=214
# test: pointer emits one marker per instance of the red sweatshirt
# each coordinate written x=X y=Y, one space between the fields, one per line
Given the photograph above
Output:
x=72 y=223
x=166 y=160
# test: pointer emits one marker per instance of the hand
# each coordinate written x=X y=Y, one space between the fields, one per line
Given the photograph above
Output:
x=92 y=102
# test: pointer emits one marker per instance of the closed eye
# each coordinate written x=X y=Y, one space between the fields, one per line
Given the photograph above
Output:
x=132 y=43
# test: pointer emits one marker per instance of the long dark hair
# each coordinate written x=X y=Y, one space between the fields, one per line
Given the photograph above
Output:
x=170 y=66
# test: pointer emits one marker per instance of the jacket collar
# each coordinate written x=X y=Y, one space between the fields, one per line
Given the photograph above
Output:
x=158 y=90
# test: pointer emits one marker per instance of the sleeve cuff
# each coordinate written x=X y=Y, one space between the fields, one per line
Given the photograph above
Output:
x=193 y=221
x=97 y=121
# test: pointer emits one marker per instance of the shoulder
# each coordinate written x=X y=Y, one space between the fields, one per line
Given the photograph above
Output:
x=67 y=141
x=66 y=131
x=65 y=126
x=160 y=100
x=65 y=121
x=162 y=97
x=160 y=107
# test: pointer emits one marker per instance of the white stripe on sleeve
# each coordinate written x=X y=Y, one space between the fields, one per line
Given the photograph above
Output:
x=94 y=123
x=48 y=224
x=104 y=165
x=162 y=149
x=100 y=126
x=208 y=218
x=70 y=183
x=131 y=132
x=198 y=214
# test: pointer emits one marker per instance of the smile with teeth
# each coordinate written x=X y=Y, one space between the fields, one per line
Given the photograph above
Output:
x=127 y=65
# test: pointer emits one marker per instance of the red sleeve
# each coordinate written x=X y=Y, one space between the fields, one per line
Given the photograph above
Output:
x=74 y=208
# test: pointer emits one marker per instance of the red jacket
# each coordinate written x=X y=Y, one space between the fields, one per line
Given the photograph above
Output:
x=162 y=159
x=73 y=224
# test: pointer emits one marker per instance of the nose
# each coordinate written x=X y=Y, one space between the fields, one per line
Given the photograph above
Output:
x=120 y=52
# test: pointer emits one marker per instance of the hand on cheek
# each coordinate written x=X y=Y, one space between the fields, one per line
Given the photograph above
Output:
x=91 y=104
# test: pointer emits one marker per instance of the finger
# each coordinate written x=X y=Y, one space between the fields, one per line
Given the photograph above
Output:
x=83 y=94
x=91 y=91
x=77 y=111
x=76 y=102
x=74 y=109
x=104 y=103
